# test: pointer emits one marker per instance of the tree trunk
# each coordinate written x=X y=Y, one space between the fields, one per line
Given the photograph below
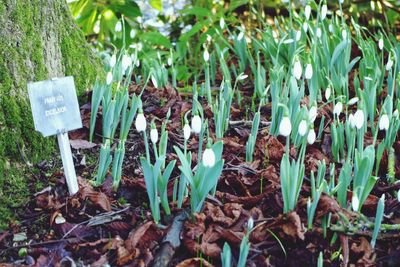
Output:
x=38 y=41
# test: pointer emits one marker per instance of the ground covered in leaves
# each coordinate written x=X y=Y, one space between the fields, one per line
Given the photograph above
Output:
x=98 y=226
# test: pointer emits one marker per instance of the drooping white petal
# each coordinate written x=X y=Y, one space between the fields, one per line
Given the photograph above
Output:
x=118 y=26
x=186 y=131
x=154 y=135
x=312 y=114
x=285 y=127
x=338 y=108
x=359 y=119
x=309 y=72
x=307 y=12
x=311 y=137
x=303 y=127
x=109 y=78
x=140 y=123
x=384 y=122
x=324 y=11
x=206 y=55
x=297 y=70
x=196 y=124
x=380 y=44
x=328 y=93
x=208 y=158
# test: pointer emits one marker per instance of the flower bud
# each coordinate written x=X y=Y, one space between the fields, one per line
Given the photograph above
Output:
x=285 y=127
x=303 y=128
x=309 y=72
x=297 y=70
x=380 y=44
x=140 y=122
x=384 y=122
x=311 y=136
x=324 y=11
x=307 y=12
x=208 y=158
x=186 y=131
x=154 y=134
x=355 y=202
x=196 y=124
x=109 y=78
x=359 y=119
x=338 y=108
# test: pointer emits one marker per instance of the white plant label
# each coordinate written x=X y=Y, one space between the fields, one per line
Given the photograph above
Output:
x=55 y=111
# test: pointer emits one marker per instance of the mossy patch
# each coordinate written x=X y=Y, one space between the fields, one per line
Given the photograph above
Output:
x=25 y=26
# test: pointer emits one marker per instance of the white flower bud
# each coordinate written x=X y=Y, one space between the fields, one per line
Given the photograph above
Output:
x=305 y=27
x=380 y=44
x=285 y=127
x=303 y=127
x=196 y=124
x=140 y=122
x=126 y=62
x=389 y=64
x=309 y=72
x=328 y=93
x=312 y=114
x=109 y=78
x=186 y=131
x=297 y=70
x=338 y=108
x=113 y=60
x=240 y=36
x=359 y=119
x=208 y=158
x=206 y=55
x=352 y=101
x=307 y=12
x=330 y=28
x=222 y=23
x=154 y=135
x=398 y=195
x=324 y=11
x=298 y=35
x=344 y=34
x=384 y=122
x=352 y=121
x=250 y=223
x=60 y=219
x=169 y=61
x=355 y=202
x=319 y=33
x=311 y=136
x=396 y=113
x=118 y=26
x=132 y=34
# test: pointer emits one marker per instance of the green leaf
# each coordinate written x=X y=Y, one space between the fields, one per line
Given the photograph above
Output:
x=156 y=38
x=157 y=4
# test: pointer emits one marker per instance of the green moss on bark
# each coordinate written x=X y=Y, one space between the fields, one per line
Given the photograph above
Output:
x=38 y=40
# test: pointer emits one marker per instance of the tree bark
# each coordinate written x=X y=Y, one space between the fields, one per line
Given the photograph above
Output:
x=38 y=41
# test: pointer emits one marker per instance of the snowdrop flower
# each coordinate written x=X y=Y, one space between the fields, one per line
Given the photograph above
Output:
x=209 y=38
x=319 y=33
x=312 y=114
x=140 y=122
x=250 y=223
x=303 y=128
x=352 y=121
x=380 y=44
x=96 y=27
x=338 y=108
x=240 y=36
x=359 y=119
x=288 y=41
x=307 y=12
x=309 y=72
x=298 y=35
x=196 y=124
x=126 y=62
x=328 y=93
x=311 y=136
x=341 y=1
x=153 y=134
x=285 y=127
x=297 y=70
x=109 y=78
x=118 y=26
x=352 y=101
x=396 y=113
x=186 y=131
x=222 y=23
x=208 y=157
x=398 y=195
x=384 y=122
x=324 y=11
x=355 y=202
x=389 y=64
x=330 y=28
x=132 y=33
x=113 y=60
x=344 y=34
x=169 y=61
x=305 y=26
x=206 y=55
x=154 y=81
